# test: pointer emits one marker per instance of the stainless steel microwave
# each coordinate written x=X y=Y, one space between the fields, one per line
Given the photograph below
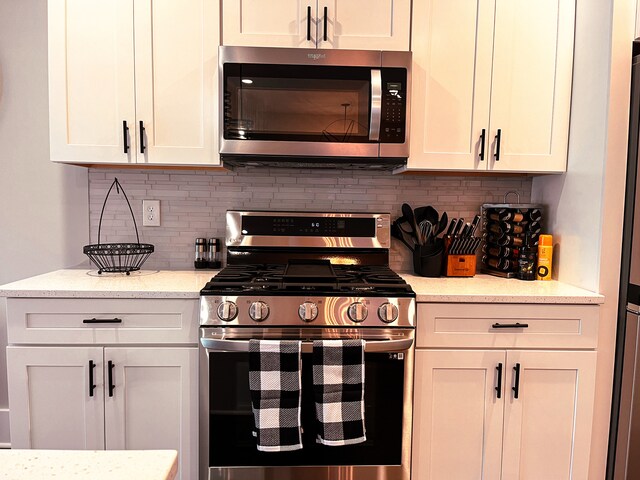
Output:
x=314 y=108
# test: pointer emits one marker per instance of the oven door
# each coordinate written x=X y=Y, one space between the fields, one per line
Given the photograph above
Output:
x=297 y=102
x=230 y=449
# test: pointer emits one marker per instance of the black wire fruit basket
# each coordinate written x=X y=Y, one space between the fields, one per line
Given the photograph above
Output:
x=118 y=257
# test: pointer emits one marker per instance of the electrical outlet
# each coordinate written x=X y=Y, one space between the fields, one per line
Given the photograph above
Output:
x=151 y=213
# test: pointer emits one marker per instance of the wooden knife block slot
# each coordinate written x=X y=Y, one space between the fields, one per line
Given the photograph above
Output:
x=461 y=265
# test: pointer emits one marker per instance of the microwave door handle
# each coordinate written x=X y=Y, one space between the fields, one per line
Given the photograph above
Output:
x=376 y=105
x=226 y=345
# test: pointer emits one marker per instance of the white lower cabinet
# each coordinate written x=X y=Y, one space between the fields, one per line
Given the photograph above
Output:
x=116 y=395
x=502 y=413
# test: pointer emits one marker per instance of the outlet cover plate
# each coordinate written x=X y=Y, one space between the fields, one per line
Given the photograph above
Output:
x=151 y=213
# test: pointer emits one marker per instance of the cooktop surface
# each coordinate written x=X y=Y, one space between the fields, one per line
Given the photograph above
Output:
x=316 y=277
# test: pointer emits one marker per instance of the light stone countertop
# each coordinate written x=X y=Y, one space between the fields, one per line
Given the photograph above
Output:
x=88 y=284
x=88 y=464
x=187 y=284
x=489 y=289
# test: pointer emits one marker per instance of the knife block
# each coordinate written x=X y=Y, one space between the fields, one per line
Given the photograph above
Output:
x=461 y=266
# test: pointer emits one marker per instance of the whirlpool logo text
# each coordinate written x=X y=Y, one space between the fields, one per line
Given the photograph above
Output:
x=316 y=56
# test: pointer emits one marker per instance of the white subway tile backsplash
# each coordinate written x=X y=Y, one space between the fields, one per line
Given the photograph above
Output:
x=193 y=203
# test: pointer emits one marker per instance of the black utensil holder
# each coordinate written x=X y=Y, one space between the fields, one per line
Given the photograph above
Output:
x=427 y=259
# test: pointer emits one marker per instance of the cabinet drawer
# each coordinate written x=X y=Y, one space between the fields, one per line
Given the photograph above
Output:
x=482 y=325
x=79 y=321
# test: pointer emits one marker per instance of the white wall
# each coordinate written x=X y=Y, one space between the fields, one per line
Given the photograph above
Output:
x=44 y=219
x=587 y=202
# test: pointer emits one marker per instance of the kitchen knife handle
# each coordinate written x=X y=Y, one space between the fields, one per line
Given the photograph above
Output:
x=510 y=325
x=308 y=23
x=499 y=385
x=516 y=387
x=325 y=23
x=142 y=146
x=482 y=137
x=102 y=320
x=498 y=138
x=125 y=136
x=112 y=386
x=92 y=386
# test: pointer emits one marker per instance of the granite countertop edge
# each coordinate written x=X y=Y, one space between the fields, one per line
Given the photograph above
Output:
x=184 y=284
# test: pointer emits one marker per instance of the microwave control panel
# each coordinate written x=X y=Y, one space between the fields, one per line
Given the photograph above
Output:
x=394 y=105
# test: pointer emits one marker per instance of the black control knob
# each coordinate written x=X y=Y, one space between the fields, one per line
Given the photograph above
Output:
x=388 y=312
x=357 y=312
x=227 y=311
x=308 y=311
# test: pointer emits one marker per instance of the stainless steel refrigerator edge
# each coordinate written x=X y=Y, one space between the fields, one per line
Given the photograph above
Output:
x=624 y=442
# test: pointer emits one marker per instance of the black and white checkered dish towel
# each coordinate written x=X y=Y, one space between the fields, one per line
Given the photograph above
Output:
x=274 y=383
x=338 y=386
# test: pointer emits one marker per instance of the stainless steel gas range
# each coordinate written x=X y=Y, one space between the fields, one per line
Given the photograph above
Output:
x=306 y=276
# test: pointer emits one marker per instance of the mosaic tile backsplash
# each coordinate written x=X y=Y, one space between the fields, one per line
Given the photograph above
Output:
x=193 y=203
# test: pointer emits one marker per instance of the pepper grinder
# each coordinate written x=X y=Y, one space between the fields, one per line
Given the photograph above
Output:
x=213 y=247
x=201 y=259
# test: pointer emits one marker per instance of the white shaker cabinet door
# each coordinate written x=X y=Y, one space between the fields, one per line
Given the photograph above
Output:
x=364 y=25
x=276 y=23
x=91 y=81
x=176 y=51
x=52 y=405
x=452 y=42
x=457 y=425
x=547 y=429
x=153 y=404
x=531 y=87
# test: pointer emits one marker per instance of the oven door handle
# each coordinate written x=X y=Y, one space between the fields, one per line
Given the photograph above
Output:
x=226 y=345
x=376 y=105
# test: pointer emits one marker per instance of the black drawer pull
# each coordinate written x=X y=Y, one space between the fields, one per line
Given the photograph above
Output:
x=142 y=146
x=325 y=24
x=482 y=137
x=308 y=24
x=516 y=387
x=125 y=136
x=112 y=386
x=499 y=386
x=92 y=386
x=498 y=138
x=510 y=325
x=102 y=320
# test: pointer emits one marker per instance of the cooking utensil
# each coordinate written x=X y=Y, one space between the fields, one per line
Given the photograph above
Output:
x=407 y=211
x=398 y=233
x=426 y=229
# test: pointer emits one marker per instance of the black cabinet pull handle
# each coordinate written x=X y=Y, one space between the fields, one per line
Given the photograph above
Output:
x=499 y=385
x=125 y=136
x=498 y=137
x=510 y=325
x=112 y=386
x=102 y=320
x=308 y=23
x=325 y=24
x=482 y=137
x=142 y=147
x=92 y=386
x=516 y=387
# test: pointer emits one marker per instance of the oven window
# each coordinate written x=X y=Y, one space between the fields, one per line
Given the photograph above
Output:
x=231 y=420
x=296 y=103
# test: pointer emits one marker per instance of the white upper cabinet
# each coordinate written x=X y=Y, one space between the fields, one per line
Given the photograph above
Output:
x=356 y=24
x=491 y=85
x=133 y=81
